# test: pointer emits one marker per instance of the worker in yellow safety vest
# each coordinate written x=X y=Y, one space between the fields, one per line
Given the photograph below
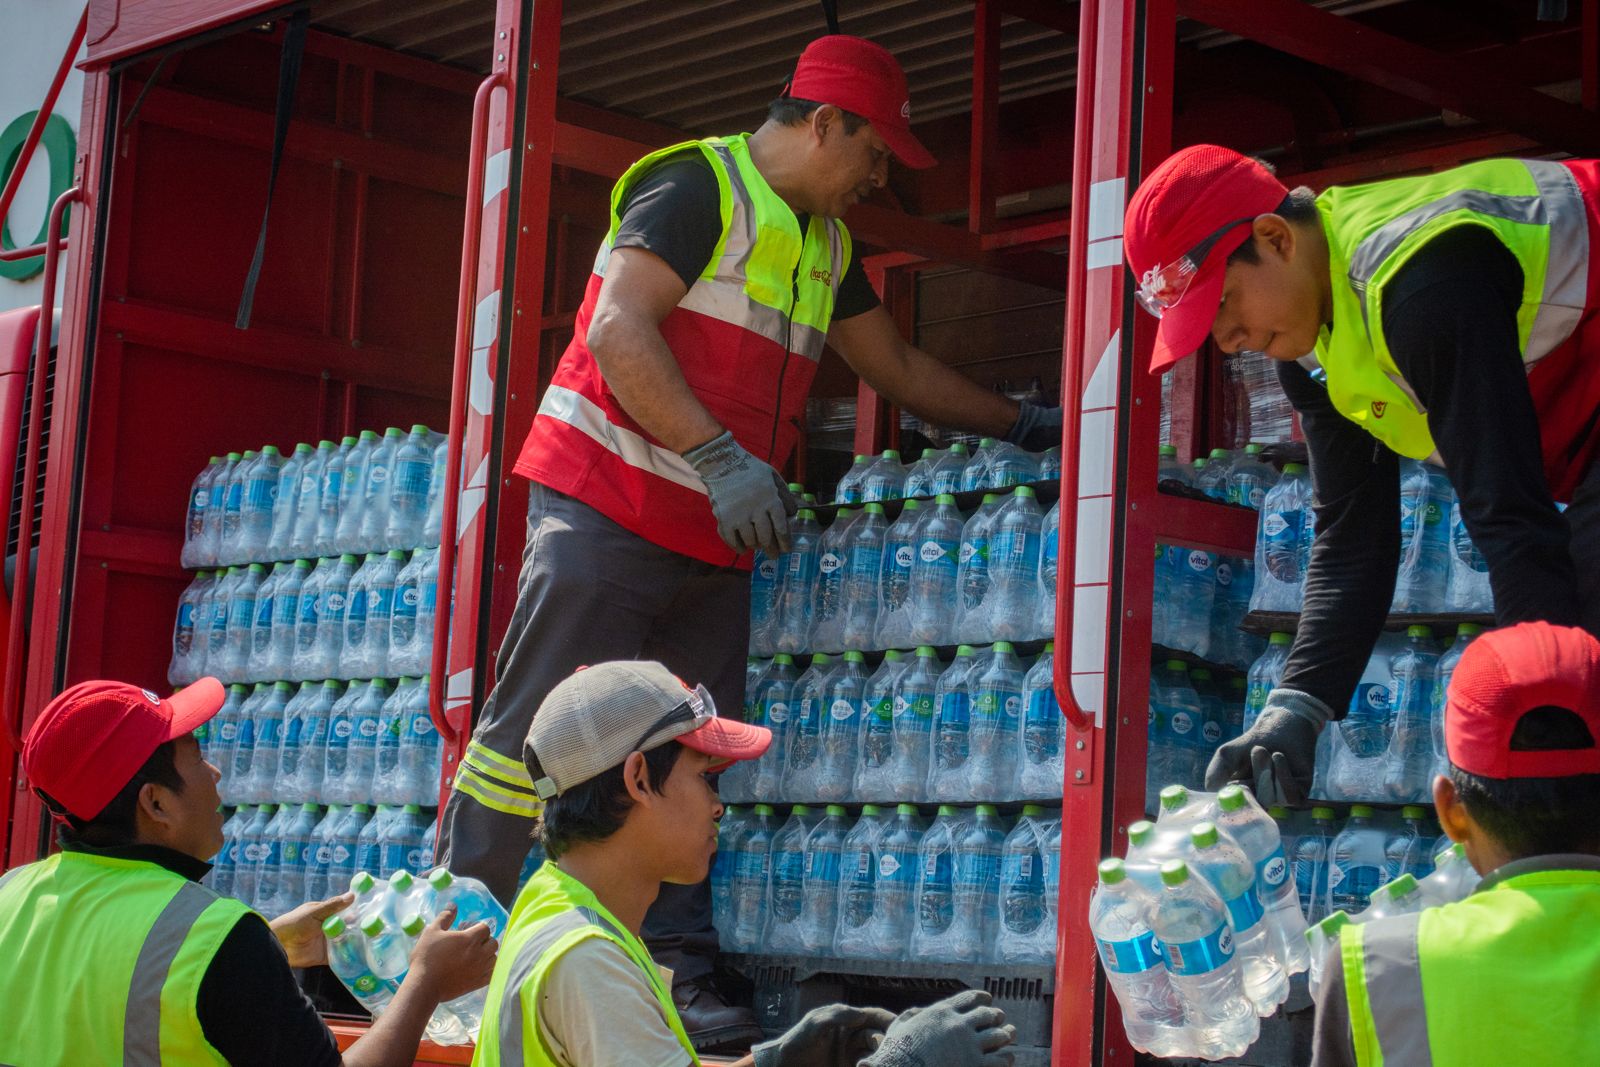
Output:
x=623 y=754
x=1511 y=974
x=1451 y=319
x=115 y=954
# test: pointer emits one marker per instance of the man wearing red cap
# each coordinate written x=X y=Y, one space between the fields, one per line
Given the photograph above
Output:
x=1511 y=973
x=656 y=449
x=1454 y=318
x=116 y=954
x=623 y=753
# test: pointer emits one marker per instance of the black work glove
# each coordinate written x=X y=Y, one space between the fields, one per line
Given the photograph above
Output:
x=751 y=503
x=965 y=1030
x=835 y=1036
x=1037 y=428
x=1278 y=754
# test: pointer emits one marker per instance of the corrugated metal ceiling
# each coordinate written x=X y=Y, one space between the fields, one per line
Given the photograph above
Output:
x=710 y=66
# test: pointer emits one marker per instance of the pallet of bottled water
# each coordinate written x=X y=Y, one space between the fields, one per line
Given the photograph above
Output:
x=967 y=887
x=370 y=943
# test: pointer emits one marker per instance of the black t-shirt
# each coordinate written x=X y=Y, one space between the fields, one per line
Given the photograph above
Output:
x=249 y=1006
x=674 y=210
x=1449 y=316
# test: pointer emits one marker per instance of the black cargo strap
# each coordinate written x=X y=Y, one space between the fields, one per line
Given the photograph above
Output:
x=830 y=11
x=294 y=47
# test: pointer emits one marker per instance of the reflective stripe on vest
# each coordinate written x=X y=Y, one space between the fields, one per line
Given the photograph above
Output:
x=147 y=935
x=1383 y=985
x=747 y=336
x=1537 y=211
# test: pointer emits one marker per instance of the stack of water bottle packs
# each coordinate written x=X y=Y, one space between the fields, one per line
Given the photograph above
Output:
x=963 y=888
x=934 y=576
x=1191 y=713
x=985 y=727
x=995 y=465
x=1200 y=927
x=370 y=943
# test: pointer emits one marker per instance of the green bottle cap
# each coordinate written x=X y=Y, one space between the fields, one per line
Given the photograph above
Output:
x=1023 y=491
x=893 y=656
x=333 y=926
x=906 y=809
x=395 y=553
x=800 y=809
x=1402 y=886
x=764 y=809
x=926 y=652
x=394 y=431
x=1468 y=629
x=860 y=458
x=1174 y=872
x=784 y=658
x=1139 y=833
x=930 y=453
x=871 y=809
x=1294 y=468
x=1033 y=811
x=325 y=445
x=988 y=810
x=1418 y=631
x=257 y=568
x=234 y=457
x=1200 y=674
x=1413 y=811
x=1049 y=646
x=1278 y=637
x=854 y=657
x=362 y=881
x=1278 y=812
x=1231 y=797
x=373 y=926
x=302 y=564
x=964 y=650
x=890 y=453
x=369 y=435
x=1219 y=453
x=417 y=427
x=440 y=879
x=836 y=809
x=1360 y=811
x=1177 y=665
x=945 y=498
x=806 y=513
x=1203 y=834
x=822 y=658
x=960 y=449
x=401 y=881
x=985 y=442
x=1004 y=646
x=1167 y=450
x=412 y=925
x=912 y=505
x=346 y=441
x=1198 y=462
x=990 y=498
x=1252 y=449
x=874 y=509
x=1112 y=871
x=947 y=809
x=1322 y=813
x=350 y=558
x=1174 y=797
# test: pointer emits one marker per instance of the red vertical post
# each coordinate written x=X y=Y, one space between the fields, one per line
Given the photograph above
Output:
x=985 y=114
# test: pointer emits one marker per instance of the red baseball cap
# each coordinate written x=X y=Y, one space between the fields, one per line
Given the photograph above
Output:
x=854 y=74
x=1507 y=673
x=1192 y=209
x=90 y=741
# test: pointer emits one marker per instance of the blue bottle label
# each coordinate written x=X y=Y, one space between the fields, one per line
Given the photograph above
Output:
x=859 y=868
x=268 y=735
x=955 y=711
x=938 y=868
x=897 y=868
x=822 y=866
x=789 y=866
x=940 y=554
x=978 y=871
x=414 y=477
x=1272 y=869
x=356 y=607
x=751 y=866
x=339 y=730
x=1245 y=910
x=382 y=602
x=1133 y=956
x=186 y=617
x=1042 y=708
x=263 y=613
x=247 y=734
x=1201 y=956
x=421 y=725
x=1019 y=867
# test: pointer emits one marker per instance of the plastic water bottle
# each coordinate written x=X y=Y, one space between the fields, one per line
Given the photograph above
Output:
x=1256 y=832
x=863 y=564
x=1410 y=757
x=1224 y=865
x=919 y=476
x=885 y=478
x=876 y=741
x=421 y=748
x=1216 y=475
x=1043 y=758
x=1398 y=896
x=368 y=614
x=786 y=900
x=1425 y=506
x=858 y=885
x=1169 y=468
x=1213 y=716
x=260 y=499
x=292 y=751
x=803 y=743
x=1285 y=513
x=1356 y=862
x=318 y=867
x=353 y=492
x=1467 y=588
x=269 y=889
x=331 y=507
x=800 y=573
x=1357 y=762
x=952 y=730
x=763 y=602
x=412 y=481
x=850 y=487
x=435 y=513
x=306 y=660
x=279 y=543
x=346 y=845
x=729 y=829
x=298 y=855
x=946 y=473
x=932 y=933
x=341 y=785
x=1007 y=466
x=366 y=714
x=1444 y=670
x=180 y=670
x=400 y=848
x=1265 y=674
x=232 y=548
x=1320 y=940
x=1178 y=749
x=1014 y=539
x=1120 y=914
x=1406 y=848
x=900 y=547
x=1023 y=934
x=222 y=870
x=1049 y=565
x=472 y=899
x=267 y=732
x=972 y=572
x=379 y=491
x=252 y=855
x=225 y=730
x=1194 y=585
x=1250 y=479
x=1049 y=464
x=229 y=660
x=193 y=553
x=369 y=846
x=1453 y=877
x=347 y=960
x=353 y=651
x=839 y=729
x=775 y=699
x=996 y=693
x=302 y=536
x=827 y=601
x=329 y=655
x=205 y=619
x=751 y=872
x=1309 y=861
x=933 y=595
x=897 y=854
x=1191 y=924
x=277 y=659
x=820 y=882
x=405 y=651
x=388 y=787
x=258 y=636
x=237 y=788
x=209 y=548
x=977 y=885
x=915 y=700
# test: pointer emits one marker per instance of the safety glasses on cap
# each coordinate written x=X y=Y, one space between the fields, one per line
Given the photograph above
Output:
x=697 y=707
x=1163 y=286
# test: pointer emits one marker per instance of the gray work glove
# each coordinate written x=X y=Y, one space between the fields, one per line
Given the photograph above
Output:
x=1278 y=754
x=749 y=499
x=835 y=1036
x=965 y=1030
x=1037 y=428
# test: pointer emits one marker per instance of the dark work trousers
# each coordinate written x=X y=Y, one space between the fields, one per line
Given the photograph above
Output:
x=591 y=591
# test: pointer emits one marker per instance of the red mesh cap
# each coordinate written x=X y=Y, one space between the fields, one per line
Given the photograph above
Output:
x=862 y=77
x=1196 y=192
x=1507 y=673
x=89 y=741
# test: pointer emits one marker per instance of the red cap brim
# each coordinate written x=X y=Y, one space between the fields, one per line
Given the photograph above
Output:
x=1186 y=325
x=728 y=739
x=905 y=146
x=195 y=705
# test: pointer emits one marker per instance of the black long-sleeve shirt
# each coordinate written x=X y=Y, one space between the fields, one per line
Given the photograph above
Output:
x=1450 y=320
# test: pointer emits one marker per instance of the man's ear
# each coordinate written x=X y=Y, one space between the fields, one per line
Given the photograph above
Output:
x=154 y=806
x=1276 y=233
x=1453 y=817
x=636 y=778
x=823 y=119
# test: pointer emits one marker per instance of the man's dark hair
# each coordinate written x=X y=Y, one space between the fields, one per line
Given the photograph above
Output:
x=792 y=111
x=1538 y=816
x=594 y=810
x=117 y=825
x=1299 y=208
